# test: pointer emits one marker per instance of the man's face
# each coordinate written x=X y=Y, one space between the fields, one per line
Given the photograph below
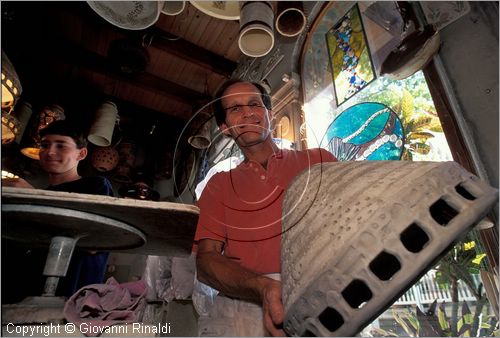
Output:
x=247 y=119
x=59 y=154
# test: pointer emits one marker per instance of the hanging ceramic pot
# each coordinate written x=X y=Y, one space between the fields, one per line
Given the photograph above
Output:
x=104 y=158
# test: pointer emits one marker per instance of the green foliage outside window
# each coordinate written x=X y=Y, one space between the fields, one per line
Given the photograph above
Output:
x=411 y=100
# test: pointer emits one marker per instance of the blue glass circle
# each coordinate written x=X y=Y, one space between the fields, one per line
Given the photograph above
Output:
x=366 y=131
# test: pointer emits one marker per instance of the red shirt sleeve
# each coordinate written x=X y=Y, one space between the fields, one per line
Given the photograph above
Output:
x=211 y=222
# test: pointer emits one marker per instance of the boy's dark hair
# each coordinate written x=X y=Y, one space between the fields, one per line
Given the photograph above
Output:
x=220 y=113
x=65 y=128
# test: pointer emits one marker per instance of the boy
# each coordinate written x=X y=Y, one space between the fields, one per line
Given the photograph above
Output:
x=63 y=146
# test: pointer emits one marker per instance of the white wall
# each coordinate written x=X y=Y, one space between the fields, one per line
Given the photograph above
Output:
x=469 y=53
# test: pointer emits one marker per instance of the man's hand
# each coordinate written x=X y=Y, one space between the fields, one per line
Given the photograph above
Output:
x=273 y=309
x=16 y=182
x=233 y=280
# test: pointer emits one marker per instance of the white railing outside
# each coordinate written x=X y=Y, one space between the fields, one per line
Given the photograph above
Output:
x=426 y=290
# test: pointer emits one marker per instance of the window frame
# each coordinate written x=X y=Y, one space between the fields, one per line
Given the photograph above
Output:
x=453 y=132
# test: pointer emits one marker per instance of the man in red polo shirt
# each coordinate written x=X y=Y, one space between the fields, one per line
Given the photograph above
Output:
x=239 y=228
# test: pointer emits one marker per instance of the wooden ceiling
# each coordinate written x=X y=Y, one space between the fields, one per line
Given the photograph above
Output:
x=61 y=51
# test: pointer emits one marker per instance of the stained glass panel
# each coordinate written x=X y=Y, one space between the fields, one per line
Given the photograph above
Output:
x=349 y=56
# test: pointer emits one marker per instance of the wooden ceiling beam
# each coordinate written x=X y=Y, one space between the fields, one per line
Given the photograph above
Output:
x=188 y=51
x=166 y=42
x=73 y=54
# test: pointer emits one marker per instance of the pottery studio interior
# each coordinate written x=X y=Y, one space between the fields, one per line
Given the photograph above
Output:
x=142 y=192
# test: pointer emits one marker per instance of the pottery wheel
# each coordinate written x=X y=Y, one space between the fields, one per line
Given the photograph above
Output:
x=37 y=224
x=103 y=222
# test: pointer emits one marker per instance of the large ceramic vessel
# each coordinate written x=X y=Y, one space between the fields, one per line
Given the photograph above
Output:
x=357 y=235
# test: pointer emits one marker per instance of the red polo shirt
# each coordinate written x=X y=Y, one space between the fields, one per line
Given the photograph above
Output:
x=242 y=207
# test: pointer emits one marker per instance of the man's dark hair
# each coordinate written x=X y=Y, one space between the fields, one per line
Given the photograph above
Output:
x=220 y=113
x=65 y=128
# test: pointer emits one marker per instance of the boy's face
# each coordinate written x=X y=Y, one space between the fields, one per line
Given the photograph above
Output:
x=59 y=154
x=247 y=119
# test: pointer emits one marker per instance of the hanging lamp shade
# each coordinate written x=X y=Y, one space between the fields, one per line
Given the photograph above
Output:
x=201 y=138
x=105 y=158
x=11 y=91
x=48 y=115
x=290 y=18
x=173 y=7
x=256 y=37
x=11 y=85
x=132 y=15
x=225 y=10
x=105 y=118
x=15 y=122
x=10 y=127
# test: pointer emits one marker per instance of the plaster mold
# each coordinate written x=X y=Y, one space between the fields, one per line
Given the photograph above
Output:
x=357 y=235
